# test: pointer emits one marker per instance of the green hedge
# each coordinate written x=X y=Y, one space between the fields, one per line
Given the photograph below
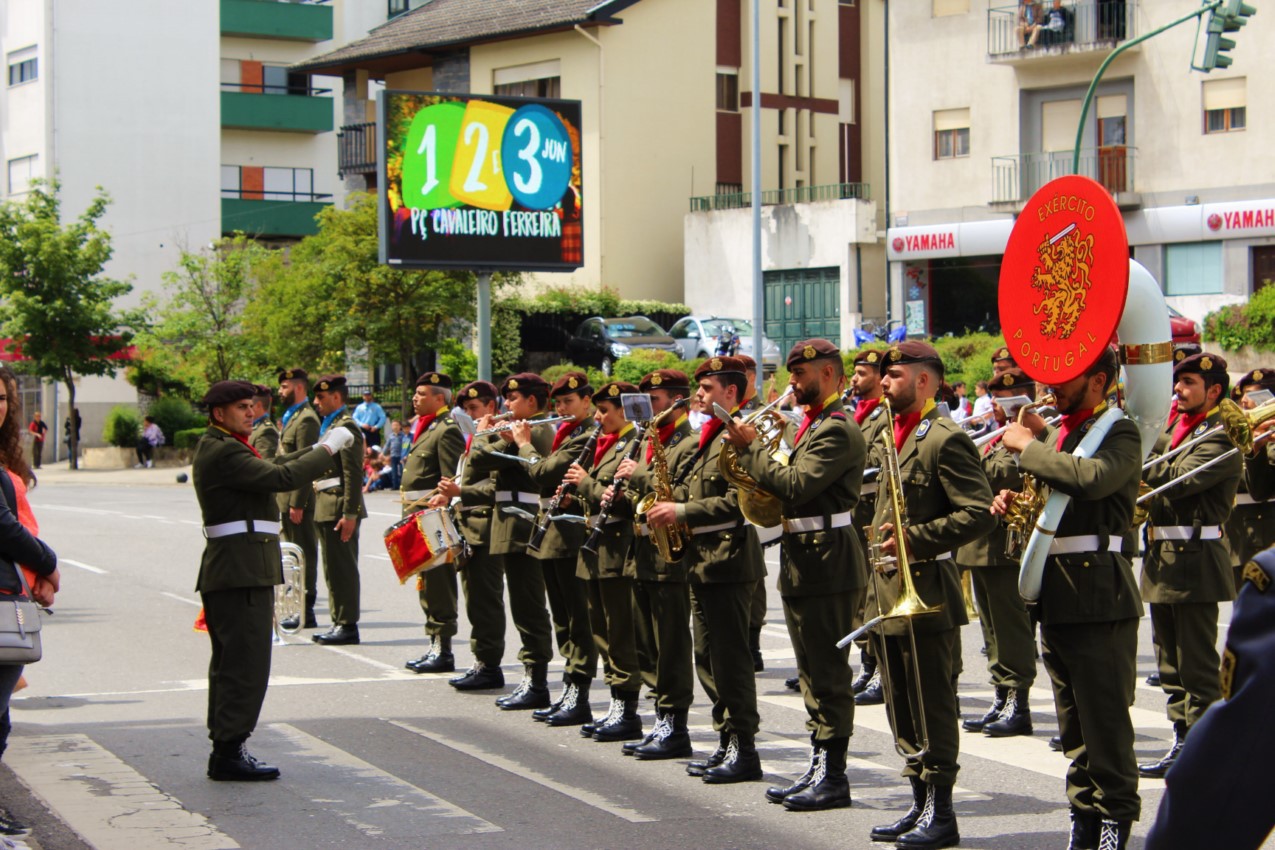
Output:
x=590 y=302
x=123 y=426
x=187 y=438
x=172 y=415
x=1237 y=325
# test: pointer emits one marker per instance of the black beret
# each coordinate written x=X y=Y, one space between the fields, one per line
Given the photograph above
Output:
x=750 y=365
x=330 y=382
x=229 y=392
x=1183 y=350
x=613 y=390
x=1204 y=363
x=262 y=389
x=1002 y=355
x=571 y=382
x=869 y=357
x=1258 y=378
x=434 y=379
x=524 y=382
x=719 y=366
x=1010 y=379
x=666 y=379
x=912 y=351
x=811 y=349
x=479 y=389
x=293 y=375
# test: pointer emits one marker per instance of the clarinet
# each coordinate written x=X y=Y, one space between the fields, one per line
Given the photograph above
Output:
x=595 y=536
x=565 y=491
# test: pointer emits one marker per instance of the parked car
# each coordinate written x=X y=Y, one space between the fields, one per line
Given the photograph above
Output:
x=699 y=336
x=1184 y=329
x=600 y=342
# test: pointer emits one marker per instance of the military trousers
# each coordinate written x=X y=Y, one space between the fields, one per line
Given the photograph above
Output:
x=526 y=580
x=1185 y=638
x=569 y=611
x=1007 y=629
x=482 y=578
x=439 y=602
x=648 y=651
x=757 y=606
x=341 y=570
x=305 y=535
x=663 y=610
x=815 y=624
x=721 y=613
x=611 y=618
x=1092 y=667
x=240 y=629
x=933 y=665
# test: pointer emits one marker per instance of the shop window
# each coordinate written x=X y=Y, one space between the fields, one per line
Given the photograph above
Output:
x=1193 y=269
x=1225 y=105
x=951 y=133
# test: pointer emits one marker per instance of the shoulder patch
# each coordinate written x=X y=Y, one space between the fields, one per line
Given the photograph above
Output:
x=837 y=414
x=1201 y=428
x=1084 y=429
x=923 y=429
x=876 y=412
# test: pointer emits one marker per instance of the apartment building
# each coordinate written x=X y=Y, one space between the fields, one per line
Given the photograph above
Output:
x=978 y=123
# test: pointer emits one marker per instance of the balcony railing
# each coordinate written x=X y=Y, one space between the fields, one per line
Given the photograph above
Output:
x=290 y=108
x=1089 y=24
x=356 y=149
x=266 y=213
x=774 y=197
x=309 y=20
x=1016 y=178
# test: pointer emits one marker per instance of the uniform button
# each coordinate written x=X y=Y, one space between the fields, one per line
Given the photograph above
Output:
x=1085 y=564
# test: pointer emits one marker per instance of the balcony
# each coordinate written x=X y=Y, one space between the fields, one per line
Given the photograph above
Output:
x=294 y=21
x=356 y=149
x=1016 y=178
x=271 y=214
x=1092 y=27
x=774 y=197
x=289 y=109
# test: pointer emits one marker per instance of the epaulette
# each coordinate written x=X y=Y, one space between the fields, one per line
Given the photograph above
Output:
x=924 y=428
x=837 y=414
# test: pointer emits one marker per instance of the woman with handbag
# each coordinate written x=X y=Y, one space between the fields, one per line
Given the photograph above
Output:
x=19 y=642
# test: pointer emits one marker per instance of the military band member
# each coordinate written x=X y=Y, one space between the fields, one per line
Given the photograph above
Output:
x=757 y=611
x=1251 y=527
x=434 y=452
x=483 y=578
x=517 y=503
x=1259 y=467
x=610 y=589
x=265 y=436
x=822 y=573
x=338 y=509
x=241 y=565
x=946 y=497
x=870 y=416
x=1089 y=604
x=298 y=428
x=560 y=550
x=1187 y=568
x=1008 y=632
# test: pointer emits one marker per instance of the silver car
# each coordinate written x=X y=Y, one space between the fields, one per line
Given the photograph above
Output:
x=698 y=336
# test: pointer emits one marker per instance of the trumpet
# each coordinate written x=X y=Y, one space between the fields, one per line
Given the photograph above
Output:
x=759 y=507
x=507 y=426
x=1046 y=400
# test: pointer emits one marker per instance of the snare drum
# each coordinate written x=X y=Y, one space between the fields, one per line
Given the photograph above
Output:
x=421 y=541
x=444 y=537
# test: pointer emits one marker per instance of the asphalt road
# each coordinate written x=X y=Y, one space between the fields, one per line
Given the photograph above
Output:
x=110 y=734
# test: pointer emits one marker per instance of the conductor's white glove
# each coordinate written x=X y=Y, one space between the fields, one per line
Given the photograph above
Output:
x=335 y=440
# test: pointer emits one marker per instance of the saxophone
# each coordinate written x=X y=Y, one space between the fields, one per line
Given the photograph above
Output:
x=670 y=540
x=1024 y=510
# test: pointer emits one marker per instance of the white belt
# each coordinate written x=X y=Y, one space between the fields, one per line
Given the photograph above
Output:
x=768 y=534
x=942 y=556
x=1085 y=543
x=869 y=489
x=1185 y=532
x=712 y=529
x=326 y=484
x=241 y=526
x=1246 y=499
x=641 y=529
x=815 y=523
x=521 y=497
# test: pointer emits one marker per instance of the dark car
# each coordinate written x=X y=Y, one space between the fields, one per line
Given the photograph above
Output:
x=1184 y=329
x=600 y=342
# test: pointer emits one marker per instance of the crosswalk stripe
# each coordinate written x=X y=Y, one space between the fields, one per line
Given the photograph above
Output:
x=378 y=810
x=491 y=759
x=107 y=802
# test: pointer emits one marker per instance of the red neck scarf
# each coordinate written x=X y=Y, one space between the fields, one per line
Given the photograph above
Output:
x=865 y=408
x=564 y=430
x=422 y=422
x=606 y=441
x=812 y=413
x=710 y=429
x=905 y=424
x=241 y=439
x=666 y=434
x=1071 y=422
x=1186 y=424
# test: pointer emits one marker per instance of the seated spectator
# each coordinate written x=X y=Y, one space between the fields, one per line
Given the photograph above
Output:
x=1053 y=27
x=376 y=475
x=151 y=437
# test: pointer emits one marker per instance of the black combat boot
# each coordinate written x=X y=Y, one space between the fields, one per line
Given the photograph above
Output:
x=1055 y=743
x=699 y=766
x=754 y=646
x=793 y=684
x=1154 y=680
x=1016 y=719
x=776 y=793
x=936 y=827
x=998 y=705
x=627 y=726
x=231 y=762
x=829 y=788
x=574 y=710
x=540 y=715
x=891 y=832
x=478 y=677
x=1113 y=834
x=1157 y=769
x=661 y=721
x=532 y=691
x=339 y=635
x=872 y=693
x=672 y=742
x=1084 y=830
x=741 y=763
x=437 y=659
x=867 y=666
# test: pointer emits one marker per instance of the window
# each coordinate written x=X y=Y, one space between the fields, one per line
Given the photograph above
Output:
x=951 y=133
x=22 y=66
x=231 y=181
x=275 y=79
x=270 y=184
x=21 y=173
x=727 y=90
x=1193 y=269
x=1225 y=105
x=943 y=8
x=538 y=79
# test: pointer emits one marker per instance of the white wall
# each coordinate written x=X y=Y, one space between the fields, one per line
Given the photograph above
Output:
x=23 y=112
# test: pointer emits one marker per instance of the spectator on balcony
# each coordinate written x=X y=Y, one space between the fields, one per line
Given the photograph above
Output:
x=1053 y=27
x=1030 y=17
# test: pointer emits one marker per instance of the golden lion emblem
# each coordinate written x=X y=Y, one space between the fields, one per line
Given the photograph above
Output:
x=1062 y=278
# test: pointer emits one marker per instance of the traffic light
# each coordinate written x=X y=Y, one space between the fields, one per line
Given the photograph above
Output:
x=1227 y=17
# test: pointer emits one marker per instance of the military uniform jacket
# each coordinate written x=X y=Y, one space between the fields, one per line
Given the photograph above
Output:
x=645 y=563
x=1192 y=570
x=1251 y=526
x=871 y=428
x=1259 y=473
x=1090 y=587
x=510 y=532
x=433 y=455
x=617 y=534
x=301 y=432
x=822 y=478
x=345 y=500
x=563 y=539
x=232 y=484
x=947 y=500
x=265 y=439
x=1002 y=473
x=477 y=496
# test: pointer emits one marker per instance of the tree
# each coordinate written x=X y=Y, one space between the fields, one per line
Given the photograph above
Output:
x=58 y=308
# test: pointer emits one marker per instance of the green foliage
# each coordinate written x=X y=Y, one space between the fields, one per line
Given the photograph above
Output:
x=968 y=358
x=632 y=367
x=590 y=302
x=459 y=362
x=1236 y=325
x=506 y=337
x=173 y=415
x=123 y=426
x=553 y=373
x=187 y=438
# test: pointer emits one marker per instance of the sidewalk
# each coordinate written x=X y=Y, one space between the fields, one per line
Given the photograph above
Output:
x=53 y=475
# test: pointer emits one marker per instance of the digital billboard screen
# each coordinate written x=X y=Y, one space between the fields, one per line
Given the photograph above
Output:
x=480 y=182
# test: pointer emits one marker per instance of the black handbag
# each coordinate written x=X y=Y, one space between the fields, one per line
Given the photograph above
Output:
x=19 y=625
